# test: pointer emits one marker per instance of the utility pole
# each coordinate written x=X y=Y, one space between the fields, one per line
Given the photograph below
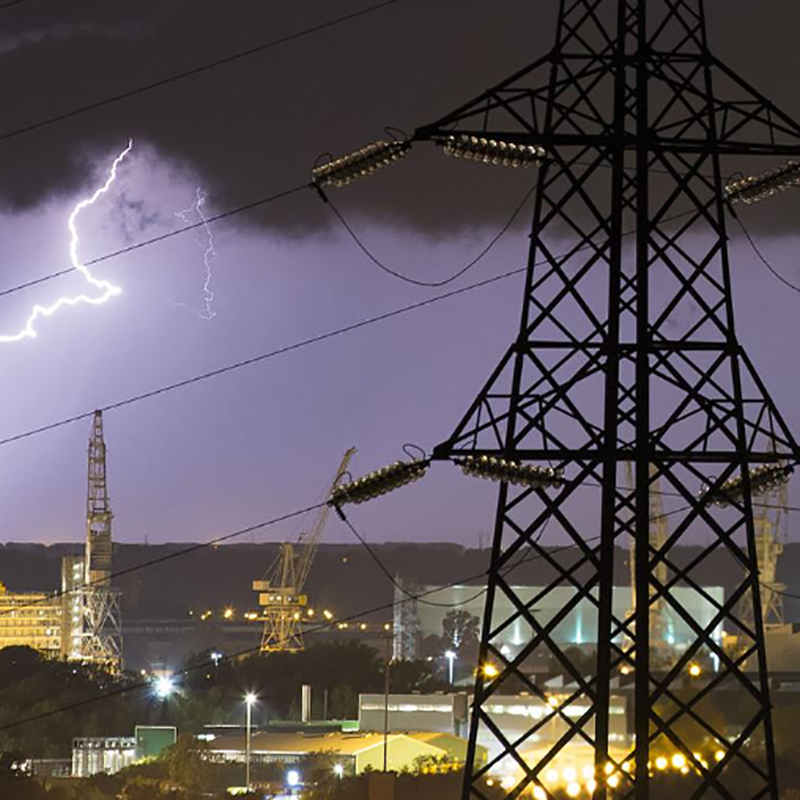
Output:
x=386 y=678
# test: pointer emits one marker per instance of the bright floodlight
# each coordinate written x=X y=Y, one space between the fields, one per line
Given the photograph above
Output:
x=338 y=770
x=250 y=699
x=292 y=777
x=164 y=687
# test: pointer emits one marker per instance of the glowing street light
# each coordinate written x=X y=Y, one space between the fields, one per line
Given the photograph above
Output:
x=490 y=671
x=695 y=670
x=451 y=659
x=679 y=761
x=338 y=770
x=249 y=701
x=573 y=789
x=164 y=687
x=292 y=778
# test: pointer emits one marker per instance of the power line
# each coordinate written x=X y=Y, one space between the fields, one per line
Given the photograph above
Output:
x=156 y=239
x=430 y=284
x=763 y=259
x=167 y=557
x=410 y=597
x=242 y=54
x=322 y=626
x=263 y=356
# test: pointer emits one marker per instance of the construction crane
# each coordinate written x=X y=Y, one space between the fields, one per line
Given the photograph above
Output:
x=93 y=632
x=280 y=592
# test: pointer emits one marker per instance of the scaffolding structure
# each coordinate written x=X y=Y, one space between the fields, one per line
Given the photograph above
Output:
x=626 y=352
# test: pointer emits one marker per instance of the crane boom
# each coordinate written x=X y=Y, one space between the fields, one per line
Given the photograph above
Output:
x=280 y=592
x=309 y=542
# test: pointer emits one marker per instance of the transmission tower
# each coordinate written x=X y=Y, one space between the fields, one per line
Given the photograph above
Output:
x=626 y=352
x=101 y=636
x=280 y=592
x=771 y=524
x=659 y=534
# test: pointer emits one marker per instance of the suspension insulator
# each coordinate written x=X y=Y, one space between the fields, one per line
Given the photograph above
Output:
x=755 y=188
x=377 y=483
x=498 y=469
x=762 y=480
x=492 y=151
x=361 y=164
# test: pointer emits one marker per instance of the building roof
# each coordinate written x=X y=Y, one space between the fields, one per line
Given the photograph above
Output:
x=344 y=743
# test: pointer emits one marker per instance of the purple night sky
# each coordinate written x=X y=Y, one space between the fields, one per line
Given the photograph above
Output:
x=238 y=449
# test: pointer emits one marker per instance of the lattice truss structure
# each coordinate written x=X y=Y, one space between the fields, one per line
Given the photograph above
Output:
x=627 y=352
x=101 y=631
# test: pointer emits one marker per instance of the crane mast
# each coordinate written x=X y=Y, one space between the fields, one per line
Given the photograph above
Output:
x=280 y=592
x=94 y=632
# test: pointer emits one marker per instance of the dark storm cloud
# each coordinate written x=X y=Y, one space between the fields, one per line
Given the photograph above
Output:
x=256 y=126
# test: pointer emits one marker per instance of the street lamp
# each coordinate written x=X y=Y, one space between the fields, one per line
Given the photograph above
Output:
x=164 y=687
x=249 y=700
x=451 y=658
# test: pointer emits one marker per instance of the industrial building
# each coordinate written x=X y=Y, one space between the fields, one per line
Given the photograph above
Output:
x=355 y=752
x=417 y=619
x=440 y=712
x=448 y=714
x=93 y=755
x=82 y=621
x=31 y=619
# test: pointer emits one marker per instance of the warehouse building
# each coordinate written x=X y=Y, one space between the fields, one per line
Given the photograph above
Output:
x=417 y=620
x=354 y=752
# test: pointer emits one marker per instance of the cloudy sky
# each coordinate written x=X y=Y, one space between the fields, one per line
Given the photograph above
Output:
x=263 y=441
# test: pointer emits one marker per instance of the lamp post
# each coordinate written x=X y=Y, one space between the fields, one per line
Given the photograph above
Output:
x=249 y=700
x=387 y=667
x=451 y=658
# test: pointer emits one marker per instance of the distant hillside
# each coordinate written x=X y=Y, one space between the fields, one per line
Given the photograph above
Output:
x=343 y=578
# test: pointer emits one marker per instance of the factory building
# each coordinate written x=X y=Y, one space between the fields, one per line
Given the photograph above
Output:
x=415 y=620
x=448 y=714
x=355 y=752
x=31 y=619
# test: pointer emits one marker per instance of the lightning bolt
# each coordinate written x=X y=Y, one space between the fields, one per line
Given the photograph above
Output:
x=107 y=289
x=209 y=253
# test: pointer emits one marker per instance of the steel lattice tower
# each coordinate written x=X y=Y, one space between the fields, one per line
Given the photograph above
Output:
x=101 y=640
x=627 y=351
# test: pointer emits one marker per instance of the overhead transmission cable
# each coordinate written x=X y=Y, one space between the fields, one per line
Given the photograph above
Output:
x=202 y=68
x=185 y=551
x=157 y=239
x=431 y=284
x=262 y=356
x=763 y=259
x=318 y=628
x=364 y=323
